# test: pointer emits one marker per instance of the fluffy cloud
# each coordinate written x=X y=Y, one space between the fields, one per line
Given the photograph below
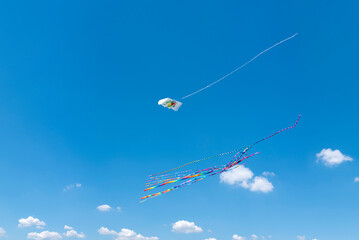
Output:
x=2 y=232
x=106 y=231
x=72 y=186
x=46 y=235
x=125 y=234
x=185 y=227
x=356 y=179
x=72 y=233
x=31 y=221
x=243 y=177
x=236 y=237
x=301 y=237
x=104 y=208
x=237 y=176
x=261 y=184
x=332 y=158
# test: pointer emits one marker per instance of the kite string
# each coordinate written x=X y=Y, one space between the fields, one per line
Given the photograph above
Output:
x=235 y=70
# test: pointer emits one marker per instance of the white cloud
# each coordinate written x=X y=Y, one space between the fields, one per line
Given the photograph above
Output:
x=72 y=186
x=210 y=239
x=236 y=237
x=104 y=208
x=332 y=158
x=301 y=237
x=125 y=234
x=261 y=184
x=268 y=174
x=46 y=235
x=236 y=176
x=243 y=177
x=72 y=232
x=106 y=231
x=2 y=232
x=185 y=227
x=31 y=221
x=254 y=237
x=356 y=179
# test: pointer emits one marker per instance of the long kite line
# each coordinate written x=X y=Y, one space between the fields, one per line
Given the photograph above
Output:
x=226 y=153
x=192 y=176
x=235 y=70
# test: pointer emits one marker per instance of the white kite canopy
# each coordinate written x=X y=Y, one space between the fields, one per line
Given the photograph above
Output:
x=170 y=103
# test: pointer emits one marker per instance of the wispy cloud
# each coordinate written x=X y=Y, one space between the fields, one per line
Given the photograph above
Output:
x=356 y=179
x=331 y=157
x=72 y=186
x=254 y=237
x=2 y=232
x=268 y=174
x=183 y=226
x=237 y=237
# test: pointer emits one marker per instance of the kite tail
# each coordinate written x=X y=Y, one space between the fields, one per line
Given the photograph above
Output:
x=226 y=153
x=196 y=177
x=284 y=129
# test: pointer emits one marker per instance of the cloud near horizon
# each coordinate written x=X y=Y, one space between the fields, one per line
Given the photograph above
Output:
x=237 y=237
x=2 y=232
x=183 y=226
x=71 y=232
x=45 y=235
x=124 y=234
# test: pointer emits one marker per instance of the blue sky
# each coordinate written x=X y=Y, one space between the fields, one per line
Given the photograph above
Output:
x=79 y=85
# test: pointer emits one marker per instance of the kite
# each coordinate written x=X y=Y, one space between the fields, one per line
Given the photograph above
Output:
x=170 y=103
x=188 y=177
x=174 y=105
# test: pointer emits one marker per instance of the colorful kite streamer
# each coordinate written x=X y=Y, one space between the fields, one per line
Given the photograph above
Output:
x=192 y=176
